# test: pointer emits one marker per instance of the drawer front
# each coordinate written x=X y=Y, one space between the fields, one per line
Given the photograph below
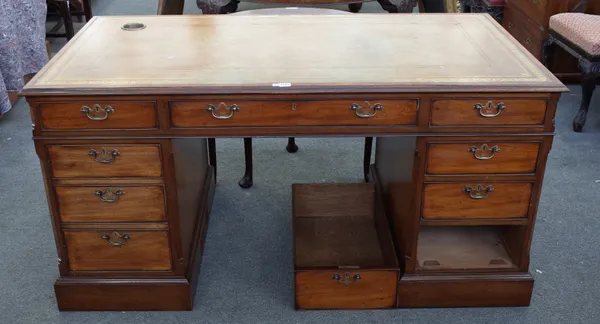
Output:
x=482 y=200
x=119 y=250
x=321 y=290
x=99 y=204
x=98 y=115
x=530 y=34
x=488 y=112
x=482 y=157
x=301 y=113
x=537 y=10
x=109 y=160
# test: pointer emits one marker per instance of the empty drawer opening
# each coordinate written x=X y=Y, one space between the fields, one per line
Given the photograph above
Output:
x=467 y=248
x=340 y=226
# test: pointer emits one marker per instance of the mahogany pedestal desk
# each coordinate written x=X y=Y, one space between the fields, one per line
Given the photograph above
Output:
x=463 y=116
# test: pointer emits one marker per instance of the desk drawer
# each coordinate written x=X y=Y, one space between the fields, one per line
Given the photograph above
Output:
x=488 y=112
x=118 y=250
x=113 y=203
x=482 y=157
x=478 y=200
x=345 y=289
x=110 y=160
x=98 y=115
x=301 y=113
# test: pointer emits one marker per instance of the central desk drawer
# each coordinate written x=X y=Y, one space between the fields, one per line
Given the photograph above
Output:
x=118 y=250
x=482 y=157
x=476 y=200
x=103 y=161
x=488 y=112
x=113 y=203
x=300 y=113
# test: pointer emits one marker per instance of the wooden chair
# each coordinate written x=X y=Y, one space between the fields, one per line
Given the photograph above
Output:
x=62 y=8
x=579 y=34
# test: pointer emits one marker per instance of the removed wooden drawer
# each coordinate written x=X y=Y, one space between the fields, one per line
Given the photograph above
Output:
x=118 y=250
x=482 y=157
x=493 y=112
x=343 y=251
x=301 y=113
x=83 y=115
x=105 y=160
x=99 y=204
x=483 y=200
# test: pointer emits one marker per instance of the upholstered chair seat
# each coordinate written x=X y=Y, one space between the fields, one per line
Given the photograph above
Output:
x=582 y=30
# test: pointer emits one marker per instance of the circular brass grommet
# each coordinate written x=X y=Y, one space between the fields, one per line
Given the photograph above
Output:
x=133 y=26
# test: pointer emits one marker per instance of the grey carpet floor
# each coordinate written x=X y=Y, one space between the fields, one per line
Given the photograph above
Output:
x=247 y=271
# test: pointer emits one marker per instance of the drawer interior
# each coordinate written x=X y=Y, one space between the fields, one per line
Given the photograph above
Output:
x=340 y=226
x=465 y=248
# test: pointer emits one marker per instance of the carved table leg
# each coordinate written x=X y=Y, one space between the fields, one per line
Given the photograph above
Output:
x=212 y=155
x=367 y=157
x=209 y=8
x=355 y=7
x=588 y=85
x=246 y=181
x=291 y=145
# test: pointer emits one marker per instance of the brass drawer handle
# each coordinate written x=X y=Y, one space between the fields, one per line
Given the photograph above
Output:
x=97 y=112
x=536 y=1
x=510 y=25
x=480 y=152
x=223 y=111
x=482 y=109
x=113 y=155
x=528 y=41
x=109 y=196
x=357 y=109
x=478 y=192
x=347 y=279
x=116 y=239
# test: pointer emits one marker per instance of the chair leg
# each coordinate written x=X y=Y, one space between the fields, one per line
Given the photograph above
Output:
x=170 y=7
x=367 y=157
x=246 y=181
x=212 y=155
x=548 y=50
x=209 y=8
x=588 y=85
x=87 y=9
x=291 y=145
x=65 y=13
x=355 y=7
